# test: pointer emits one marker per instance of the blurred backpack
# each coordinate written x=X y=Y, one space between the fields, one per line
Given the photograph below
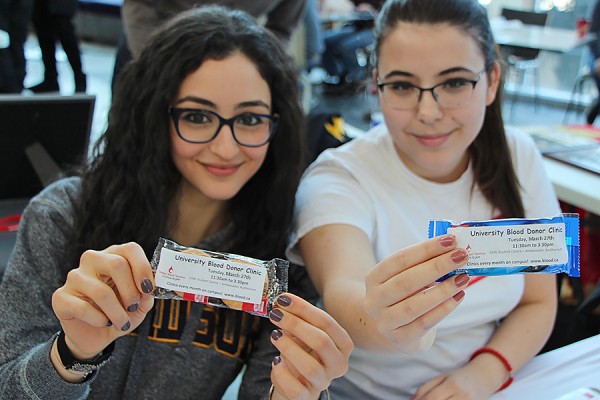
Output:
x=324 y=130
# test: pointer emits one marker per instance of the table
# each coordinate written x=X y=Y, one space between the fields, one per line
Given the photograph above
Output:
x=571 y=184
x=551 y=375
x=546 y=38
x=574 y=185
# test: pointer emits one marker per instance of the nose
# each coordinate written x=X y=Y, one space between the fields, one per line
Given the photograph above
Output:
x=428 y=109
x=224 y=145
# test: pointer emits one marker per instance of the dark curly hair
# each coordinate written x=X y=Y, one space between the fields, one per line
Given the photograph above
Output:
x=490 y=156
x=128 y=187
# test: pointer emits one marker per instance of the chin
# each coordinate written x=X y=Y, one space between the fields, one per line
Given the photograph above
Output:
x=221 y=195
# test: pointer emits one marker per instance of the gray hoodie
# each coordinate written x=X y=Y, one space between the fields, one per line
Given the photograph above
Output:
x=181 y=351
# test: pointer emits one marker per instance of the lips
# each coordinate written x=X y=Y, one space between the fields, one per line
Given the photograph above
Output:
x=221 y=170
x=432 y=140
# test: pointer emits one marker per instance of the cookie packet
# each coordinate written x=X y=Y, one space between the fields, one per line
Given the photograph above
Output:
x=218 y=279
x=516 y=245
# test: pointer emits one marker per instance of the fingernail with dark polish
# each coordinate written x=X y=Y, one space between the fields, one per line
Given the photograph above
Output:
x=126 y=326
x=459 y=256
x=447 y=241
x=109 y=323
x=276 y=315
x=284 y=300
x=458 y=296
x=461 y=279
x=276 y=360
x=147 y=286
x=276 y=334
x=132 y=307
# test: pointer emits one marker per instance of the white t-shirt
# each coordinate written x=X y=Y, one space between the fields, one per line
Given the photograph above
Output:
x=365 y=184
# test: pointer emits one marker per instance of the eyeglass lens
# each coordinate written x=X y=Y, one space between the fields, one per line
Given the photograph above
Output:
x=455 y=93
x=202 y=126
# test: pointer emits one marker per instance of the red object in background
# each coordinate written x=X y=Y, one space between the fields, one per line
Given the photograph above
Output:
x=10 y=223
x=582 y=26
x=589 y=244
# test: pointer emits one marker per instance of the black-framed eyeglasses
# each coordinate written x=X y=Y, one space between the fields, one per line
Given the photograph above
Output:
x=452 y=93
x=201 y=126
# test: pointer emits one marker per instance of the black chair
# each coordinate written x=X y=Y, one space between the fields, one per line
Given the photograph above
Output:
x=586 y=321
x=584 y=77
x=521 y=60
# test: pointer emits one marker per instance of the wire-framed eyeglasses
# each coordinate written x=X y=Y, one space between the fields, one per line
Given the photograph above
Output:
x=452 y=93
x=201 y=126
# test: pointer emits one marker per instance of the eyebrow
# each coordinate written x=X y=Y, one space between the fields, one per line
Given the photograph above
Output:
x=398 y=73
x=208 y=103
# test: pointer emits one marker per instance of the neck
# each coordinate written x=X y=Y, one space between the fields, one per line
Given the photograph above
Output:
x=196 y=217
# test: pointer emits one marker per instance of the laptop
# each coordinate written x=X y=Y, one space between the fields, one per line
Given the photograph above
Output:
x=41 y=138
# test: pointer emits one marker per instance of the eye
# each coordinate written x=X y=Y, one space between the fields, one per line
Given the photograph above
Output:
x=196 y=117
x=401 y=87
x=249 y=119
x=456 y=84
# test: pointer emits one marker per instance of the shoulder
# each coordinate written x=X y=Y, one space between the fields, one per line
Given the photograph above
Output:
x=58 y=198
x=520 y=143
x=349 y=167
x=367 y=147
x=515 y=135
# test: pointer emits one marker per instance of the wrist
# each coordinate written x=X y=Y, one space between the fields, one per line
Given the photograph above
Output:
x=71 y=368
x=501 y=363
x=69 y=376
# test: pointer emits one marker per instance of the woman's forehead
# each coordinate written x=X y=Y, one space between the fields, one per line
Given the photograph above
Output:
x=418 y=47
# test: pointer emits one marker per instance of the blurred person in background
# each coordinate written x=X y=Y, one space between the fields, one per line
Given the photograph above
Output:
x=53 y=20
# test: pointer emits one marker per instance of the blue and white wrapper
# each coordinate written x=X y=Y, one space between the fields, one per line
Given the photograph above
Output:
x=516 y=245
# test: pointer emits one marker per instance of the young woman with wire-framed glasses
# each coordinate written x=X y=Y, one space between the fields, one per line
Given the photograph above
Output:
x=363 y=210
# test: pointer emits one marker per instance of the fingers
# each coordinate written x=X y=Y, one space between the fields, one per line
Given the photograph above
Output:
x=129 y=257
x=67 y=306
x=83 y=288
x=429 y=386
x=403 y=297
x=414 y=255
x=311 y=342
x=409 y=281
x=305 y=366
x=113 y=281
x=311 y=319
x=427 y=307
x=286 y=384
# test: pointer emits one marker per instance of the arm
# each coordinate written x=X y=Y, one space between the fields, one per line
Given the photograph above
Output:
x=519 y=337
x=595 y=28
x=284 y=18
x=139 y=21
x=388 y=307
x=38 y=266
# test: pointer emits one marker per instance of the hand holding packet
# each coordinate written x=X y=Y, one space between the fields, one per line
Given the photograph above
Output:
x=516 y=245
x=218 y=279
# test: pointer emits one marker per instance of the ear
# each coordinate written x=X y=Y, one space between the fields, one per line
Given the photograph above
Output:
x=493 y=83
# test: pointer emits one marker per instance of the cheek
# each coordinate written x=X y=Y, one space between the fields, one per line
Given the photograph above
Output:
x=395 y=120
x=181 y=149
x=257 y=155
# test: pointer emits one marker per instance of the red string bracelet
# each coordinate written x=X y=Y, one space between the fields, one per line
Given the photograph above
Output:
x=502 y=359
